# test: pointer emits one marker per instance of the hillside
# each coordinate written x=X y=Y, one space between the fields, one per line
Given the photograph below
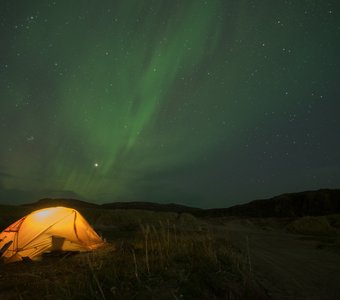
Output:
x=151 y=206
x=171 y=207
x=309 y=203
x=48 y=202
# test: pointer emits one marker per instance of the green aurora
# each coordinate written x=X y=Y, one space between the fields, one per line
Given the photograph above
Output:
x=168 y=101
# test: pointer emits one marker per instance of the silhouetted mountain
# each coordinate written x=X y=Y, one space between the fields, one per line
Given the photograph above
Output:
x=309 y=203
x=171 y=207
x=48 y=202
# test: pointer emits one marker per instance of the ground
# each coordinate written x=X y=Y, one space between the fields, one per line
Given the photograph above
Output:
x=154 y=255
x=290 y=266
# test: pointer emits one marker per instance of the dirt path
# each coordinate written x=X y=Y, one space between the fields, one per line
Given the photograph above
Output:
x=287 y=266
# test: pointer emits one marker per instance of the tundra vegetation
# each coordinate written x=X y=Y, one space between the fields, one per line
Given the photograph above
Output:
x=148 y=255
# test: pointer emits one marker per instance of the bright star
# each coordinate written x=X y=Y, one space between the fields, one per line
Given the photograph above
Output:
x=30 y=138
x=96 y=165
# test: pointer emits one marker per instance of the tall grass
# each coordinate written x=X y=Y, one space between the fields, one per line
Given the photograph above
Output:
x=160 y=261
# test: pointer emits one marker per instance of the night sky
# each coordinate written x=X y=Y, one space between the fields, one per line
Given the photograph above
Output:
x=205 y=103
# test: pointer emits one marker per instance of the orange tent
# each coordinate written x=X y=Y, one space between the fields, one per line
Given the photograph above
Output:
x=46 y=230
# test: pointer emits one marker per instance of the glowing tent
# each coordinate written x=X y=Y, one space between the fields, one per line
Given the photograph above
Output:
x=46 y=230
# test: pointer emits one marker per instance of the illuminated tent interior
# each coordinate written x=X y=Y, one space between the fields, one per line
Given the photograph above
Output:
x=47 y=230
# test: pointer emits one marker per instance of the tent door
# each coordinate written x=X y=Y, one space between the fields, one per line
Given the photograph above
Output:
x=5 y=247
x=57 y=243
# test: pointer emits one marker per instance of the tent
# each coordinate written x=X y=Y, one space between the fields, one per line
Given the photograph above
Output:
x=46 y=230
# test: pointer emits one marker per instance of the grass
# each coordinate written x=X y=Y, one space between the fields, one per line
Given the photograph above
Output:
x=334 y=220
x=162 y=259
x=318 y=226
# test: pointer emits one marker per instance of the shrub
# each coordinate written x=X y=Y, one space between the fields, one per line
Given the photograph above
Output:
x=311 y=226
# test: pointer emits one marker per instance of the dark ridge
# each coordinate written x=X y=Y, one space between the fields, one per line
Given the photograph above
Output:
x=308 y=203
x=49 y=202
x=171 y=207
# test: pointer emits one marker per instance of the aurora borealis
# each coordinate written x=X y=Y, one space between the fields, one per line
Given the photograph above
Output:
x=205 y=103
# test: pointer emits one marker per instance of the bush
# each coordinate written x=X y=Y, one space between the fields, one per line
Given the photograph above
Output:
x=311 y=226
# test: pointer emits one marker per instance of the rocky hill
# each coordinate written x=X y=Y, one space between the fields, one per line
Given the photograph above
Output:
x=171 y=207
x=309 y=203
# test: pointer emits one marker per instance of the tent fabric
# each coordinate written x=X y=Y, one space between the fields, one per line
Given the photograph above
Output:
x=45 y=230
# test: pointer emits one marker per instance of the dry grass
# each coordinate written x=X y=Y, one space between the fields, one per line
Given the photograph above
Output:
x=161 y=260
x=334 y=220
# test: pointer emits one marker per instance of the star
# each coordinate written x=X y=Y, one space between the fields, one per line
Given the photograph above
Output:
x=169 y=98
x=30 y=138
